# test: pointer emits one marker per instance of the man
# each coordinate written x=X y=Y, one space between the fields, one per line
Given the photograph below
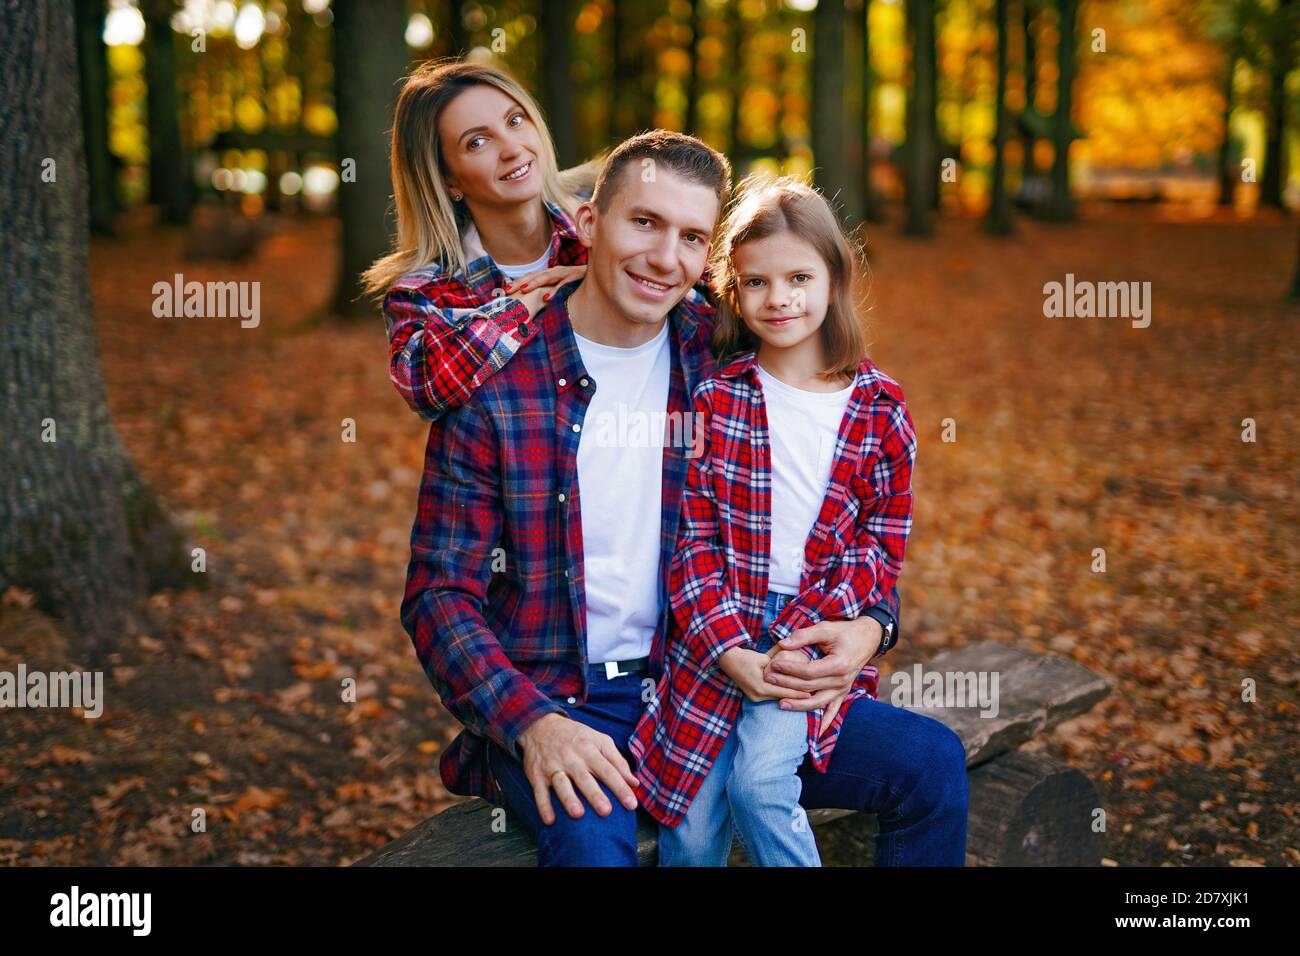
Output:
x=536 y=595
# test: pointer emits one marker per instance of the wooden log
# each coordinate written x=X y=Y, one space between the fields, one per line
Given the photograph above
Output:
x=1035 y=693
x=475 y=833
x=1030 y=810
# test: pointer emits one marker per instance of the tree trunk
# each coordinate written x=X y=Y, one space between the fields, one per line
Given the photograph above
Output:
x=1295 y=282
x=735 y=142
x=77 y=525
x=1283 y=39
x=631 y=107
x=618 y=79
x=1060 y=204
x=457 y=38
x=872 y=207
x=999 y=218
x=169 y=178
x=370 y=56
x=830 y=173
x=1228 y=173
x=556 y=29
x=921 y=159
x=92 y=67
x=1027 y=168
x=693 y=76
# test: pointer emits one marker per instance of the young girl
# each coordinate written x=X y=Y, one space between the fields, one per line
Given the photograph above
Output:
x=485 y=232
x=798 y=511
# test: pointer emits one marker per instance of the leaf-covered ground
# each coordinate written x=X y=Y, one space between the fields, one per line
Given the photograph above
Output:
x=1070 y=435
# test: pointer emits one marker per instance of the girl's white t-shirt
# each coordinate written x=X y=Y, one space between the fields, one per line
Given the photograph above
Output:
x=802 y=427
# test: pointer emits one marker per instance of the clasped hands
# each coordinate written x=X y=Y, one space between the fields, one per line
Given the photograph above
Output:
x=566 y=756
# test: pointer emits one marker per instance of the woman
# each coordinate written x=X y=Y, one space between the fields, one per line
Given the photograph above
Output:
x=484 y=231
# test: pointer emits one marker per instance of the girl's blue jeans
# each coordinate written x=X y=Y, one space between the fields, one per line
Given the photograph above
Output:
x=752 y=789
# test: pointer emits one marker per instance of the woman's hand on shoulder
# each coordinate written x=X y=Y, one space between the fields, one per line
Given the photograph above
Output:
x=536 y=288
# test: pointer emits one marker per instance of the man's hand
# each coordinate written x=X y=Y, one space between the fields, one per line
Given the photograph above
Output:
x=846 y=648
x=746 y=667
x=536 y=288
x=560 y=752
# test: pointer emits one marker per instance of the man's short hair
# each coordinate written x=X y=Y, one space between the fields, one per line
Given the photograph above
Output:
x=684 y=155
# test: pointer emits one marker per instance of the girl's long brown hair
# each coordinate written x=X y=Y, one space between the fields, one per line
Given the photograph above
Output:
x=765 y=205
x=429 y=223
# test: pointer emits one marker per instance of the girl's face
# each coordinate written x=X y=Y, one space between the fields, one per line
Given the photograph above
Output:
x=783 y=288
x=491 y=148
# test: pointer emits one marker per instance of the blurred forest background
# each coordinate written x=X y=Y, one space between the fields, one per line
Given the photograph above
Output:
x=982 y=147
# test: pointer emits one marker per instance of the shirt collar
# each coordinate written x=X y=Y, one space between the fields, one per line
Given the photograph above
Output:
x=566 y=361
x=562 y=231
x=868 y=376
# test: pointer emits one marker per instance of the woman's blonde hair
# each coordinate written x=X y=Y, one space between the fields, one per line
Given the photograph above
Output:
x=429 y=222
x=765 y=205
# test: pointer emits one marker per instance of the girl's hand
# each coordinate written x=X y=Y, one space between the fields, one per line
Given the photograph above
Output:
x=778 y=653
x=536 y=288
x=745 y=668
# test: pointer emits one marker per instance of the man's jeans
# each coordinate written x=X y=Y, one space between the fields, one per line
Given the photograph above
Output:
x=752 y=790
x=908 y=769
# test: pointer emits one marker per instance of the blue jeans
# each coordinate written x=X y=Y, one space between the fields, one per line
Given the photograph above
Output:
x=908 y=769
x=752 y=788
x=613 y=707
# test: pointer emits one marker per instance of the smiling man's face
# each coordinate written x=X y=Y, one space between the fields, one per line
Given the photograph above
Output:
x=650 y=245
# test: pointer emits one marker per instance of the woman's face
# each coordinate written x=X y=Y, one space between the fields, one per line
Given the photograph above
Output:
x=491 y=148
x=783 y=288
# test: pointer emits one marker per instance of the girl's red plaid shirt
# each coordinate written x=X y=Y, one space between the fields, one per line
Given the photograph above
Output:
x=719 y=576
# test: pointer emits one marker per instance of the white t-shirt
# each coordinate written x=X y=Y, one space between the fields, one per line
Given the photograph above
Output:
x=620 y=482
x=473 y=244
x=803 y=427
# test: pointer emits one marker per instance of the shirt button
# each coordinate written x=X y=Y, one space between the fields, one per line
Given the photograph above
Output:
x=561 y=495
x=498 y=293
x=572 y=700
x=583 y=383
x=562 y=382
x=523 y=329
x=566 y=572
x=577 y=427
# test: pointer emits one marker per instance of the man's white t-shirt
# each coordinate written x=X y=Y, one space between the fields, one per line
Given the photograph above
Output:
x=803 y=427
x=620 y=483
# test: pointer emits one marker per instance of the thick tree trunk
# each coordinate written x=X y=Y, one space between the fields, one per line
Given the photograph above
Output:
x=370 y=56
x=92 y=67
x=169 y=178
x=921 y=145
x=556 y=29
x=1060 y=204
x=999 y=217
x=828 y=100
x=77 y=526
